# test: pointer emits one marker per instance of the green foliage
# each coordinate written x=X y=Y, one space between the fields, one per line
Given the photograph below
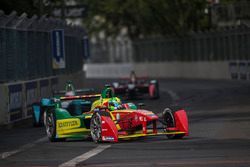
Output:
x=20 y=6
x=228 y=1
x=141 y=18
x=145 y=17
x=31 y=7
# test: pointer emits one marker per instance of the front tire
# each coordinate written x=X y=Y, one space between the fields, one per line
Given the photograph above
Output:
x=169 y=119
x=50 y=125
x=96 y=128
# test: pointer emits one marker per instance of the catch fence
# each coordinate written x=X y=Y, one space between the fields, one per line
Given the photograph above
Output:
x=26 y=50
x=216 y=45
x=225 y=44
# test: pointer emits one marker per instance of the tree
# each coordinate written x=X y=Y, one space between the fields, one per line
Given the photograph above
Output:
x=20 y=7
x=31 y=7
x=145 y=17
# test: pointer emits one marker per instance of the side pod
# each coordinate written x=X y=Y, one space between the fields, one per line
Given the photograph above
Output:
x=109 y=130
x=181 y=121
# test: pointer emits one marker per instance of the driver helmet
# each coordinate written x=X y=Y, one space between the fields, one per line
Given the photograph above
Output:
x=133 y=77
x=69 y=89
x=114 y=105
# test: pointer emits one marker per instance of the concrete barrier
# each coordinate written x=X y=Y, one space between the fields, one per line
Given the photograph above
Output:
x=17 y=97
x=202 y=70
x=109 y=70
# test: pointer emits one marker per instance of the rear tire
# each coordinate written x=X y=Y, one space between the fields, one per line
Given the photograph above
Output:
x=156 y=93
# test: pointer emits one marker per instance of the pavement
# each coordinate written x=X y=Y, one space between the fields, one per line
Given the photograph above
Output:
x=219 y=120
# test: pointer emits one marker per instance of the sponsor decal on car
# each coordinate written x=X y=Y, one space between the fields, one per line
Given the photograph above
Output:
x=68 y=123
x=136 y=117
x=108 y=138
x=141 y=118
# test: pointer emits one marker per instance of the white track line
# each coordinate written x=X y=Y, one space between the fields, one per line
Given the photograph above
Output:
x=22 y=148
x=172 y=94
x=85 y=156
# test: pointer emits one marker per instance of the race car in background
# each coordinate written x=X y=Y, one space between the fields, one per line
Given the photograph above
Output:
x=39 y=107
x=104 y=118
x=135 y=87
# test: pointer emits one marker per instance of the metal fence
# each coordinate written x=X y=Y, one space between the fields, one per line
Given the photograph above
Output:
x=26 y=51
x=216 y=45
x=230 y=14
x=111 y=50
x=224 y=44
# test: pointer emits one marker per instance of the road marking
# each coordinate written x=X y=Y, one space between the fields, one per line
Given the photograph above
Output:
x=22 y=148
x=85 y=156
x=192 y=162
x=174 y=96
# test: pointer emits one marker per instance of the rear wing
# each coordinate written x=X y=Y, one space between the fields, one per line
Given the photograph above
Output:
x=77 y=91
x=80 y=97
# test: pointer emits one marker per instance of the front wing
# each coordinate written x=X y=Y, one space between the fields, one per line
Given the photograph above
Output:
x=150 y=133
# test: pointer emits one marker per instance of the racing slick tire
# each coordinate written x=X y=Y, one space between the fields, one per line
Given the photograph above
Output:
x=168 y=118
x=50 y=125
x=96 y=127
x=155 y=94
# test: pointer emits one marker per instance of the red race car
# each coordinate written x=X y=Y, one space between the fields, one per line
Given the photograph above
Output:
x=111 y=120
x=134 y=87
x=112 y=126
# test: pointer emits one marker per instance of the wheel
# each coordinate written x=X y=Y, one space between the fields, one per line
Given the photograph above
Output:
x=155 y=94
x=50 y=125
x=95 y=127
x=168 y=118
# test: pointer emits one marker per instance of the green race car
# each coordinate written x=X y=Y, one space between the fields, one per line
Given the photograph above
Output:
x=38 y=108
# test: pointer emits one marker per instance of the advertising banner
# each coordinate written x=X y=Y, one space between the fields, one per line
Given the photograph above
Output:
x=243 y=70
x=31 y=96
x=58 y=50
x=86 y=47
x=15 y=102
x=233 y=68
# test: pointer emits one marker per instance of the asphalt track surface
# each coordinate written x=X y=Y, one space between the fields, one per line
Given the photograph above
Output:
x=219 y=120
